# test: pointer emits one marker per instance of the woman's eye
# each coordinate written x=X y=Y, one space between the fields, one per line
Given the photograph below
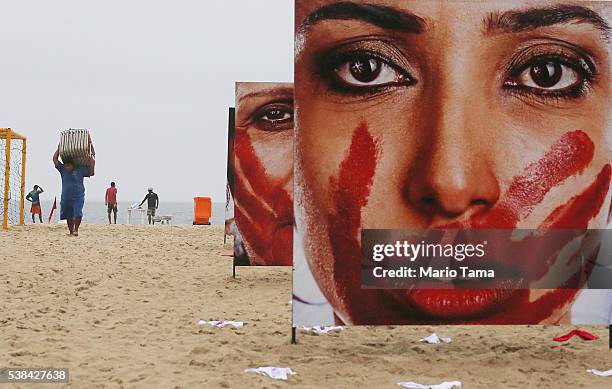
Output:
x=366 y=70
x=547 y=76
x=276 y=114
x=274 y=117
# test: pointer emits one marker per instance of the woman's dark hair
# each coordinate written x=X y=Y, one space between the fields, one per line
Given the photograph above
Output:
x=113 y=183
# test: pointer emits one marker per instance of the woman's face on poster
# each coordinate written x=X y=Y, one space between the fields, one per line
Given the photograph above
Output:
x=263 y=166
x=441 y=114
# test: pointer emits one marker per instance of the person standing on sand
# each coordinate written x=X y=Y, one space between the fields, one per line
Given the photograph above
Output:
x=73 y=190
x=152 y=202
x=111 y=202
x=34 y=198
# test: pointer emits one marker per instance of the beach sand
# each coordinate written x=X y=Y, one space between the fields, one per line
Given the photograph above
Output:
x=119 y=305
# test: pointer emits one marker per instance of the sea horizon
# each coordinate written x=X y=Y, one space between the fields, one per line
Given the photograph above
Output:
x=95 y=212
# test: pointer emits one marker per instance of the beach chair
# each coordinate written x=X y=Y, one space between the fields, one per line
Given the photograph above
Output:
x=163 y=219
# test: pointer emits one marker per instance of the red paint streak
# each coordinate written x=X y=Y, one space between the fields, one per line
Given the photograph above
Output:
x=580 y=209
x=569 y=156
x=352 y=187
x=269 y=231
x=535 y=254
x=575 y=214
x=350 y=191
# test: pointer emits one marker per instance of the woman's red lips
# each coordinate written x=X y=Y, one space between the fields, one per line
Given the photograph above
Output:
x=451 y=304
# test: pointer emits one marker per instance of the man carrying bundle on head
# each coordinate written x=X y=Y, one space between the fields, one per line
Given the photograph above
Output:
x=73 y=189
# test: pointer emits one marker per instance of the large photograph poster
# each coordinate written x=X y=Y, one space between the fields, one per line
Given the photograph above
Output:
x=262 y=168
x=457 y=116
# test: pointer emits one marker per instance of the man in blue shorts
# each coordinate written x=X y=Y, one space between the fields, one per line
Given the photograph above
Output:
x=73 y=190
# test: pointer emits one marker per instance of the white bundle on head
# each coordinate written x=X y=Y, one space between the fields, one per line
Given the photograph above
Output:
x=76 y=144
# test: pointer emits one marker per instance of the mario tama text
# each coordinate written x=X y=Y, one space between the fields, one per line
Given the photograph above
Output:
x=430 y=272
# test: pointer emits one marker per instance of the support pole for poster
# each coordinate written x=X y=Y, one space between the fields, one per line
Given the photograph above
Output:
x=610 y=337
x=294 y=335
x=233 y=268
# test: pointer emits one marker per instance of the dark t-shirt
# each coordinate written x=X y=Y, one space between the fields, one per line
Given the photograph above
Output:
x=151 y=199
x=34 y=197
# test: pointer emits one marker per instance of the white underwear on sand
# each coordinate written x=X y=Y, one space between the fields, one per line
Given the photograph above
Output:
x=278 y=373
x=319 y=330
x=443 y=385
x=221 y=323
x=434 y=339
x=607 y=373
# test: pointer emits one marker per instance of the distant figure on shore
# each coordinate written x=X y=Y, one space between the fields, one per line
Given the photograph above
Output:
x=34 y=198
x=111 y=202
x=73 y=190
x=152 y=202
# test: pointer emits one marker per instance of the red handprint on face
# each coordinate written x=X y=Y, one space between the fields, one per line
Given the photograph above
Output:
x=263 y=208
x=568 y=157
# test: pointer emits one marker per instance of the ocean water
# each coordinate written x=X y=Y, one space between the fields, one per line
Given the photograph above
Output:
x=95 y=212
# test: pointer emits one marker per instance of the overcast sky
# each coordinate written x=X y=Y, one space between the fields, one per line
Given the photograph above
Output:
x=152 y=80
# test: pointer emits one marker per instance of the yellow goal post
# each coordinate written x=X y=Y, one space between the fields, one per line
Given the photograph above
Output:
x=12 y=177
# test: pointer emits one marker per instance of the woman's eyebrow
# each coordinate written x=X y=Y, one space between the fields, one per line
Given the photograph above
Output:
x=271 y=92
x=533 y=18
x=382 y=16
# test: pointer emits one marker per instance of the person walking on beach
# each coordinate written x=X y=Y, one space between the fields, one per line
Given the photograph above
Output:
x=34 y=198
x=152 y=202
x=111 y=202
x=73 y=190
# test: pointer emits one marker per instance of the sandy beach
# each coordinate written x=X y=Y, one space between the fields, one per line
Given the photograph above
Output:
x=118 y=306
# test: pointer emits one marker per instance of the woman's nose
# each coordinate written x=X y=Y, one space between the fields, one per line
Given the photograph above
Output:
x=453 y=176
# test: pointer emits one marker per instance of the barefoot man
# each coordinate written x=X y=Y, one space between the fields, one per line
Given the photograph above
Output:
x=34 y=198
x=73 y=190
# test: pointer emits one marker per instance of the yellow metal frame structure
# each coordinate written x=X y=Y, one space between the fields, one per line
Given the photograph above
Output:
x=9 y=135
